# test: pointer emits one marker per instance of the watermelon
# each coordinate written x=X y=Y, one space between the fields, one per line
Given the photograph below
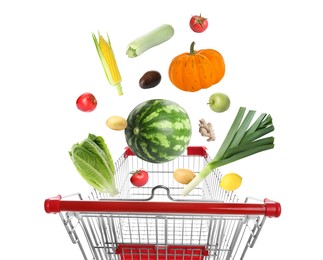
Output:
x=158 y=130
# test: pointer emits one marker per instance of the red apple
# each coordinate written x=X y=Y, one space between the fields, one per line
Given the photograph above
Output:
x=86 y=102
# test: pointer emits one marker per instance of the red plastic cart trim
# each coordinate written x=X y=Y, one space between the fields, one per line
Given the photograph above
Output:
x=269 y=208
x=191 y=150
x=128 y=152
x=273 y=208
x=197 y=150
x=142 y=251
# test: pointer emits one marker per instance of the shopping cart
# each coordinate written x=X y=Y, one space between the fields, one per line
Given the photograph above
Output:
x=156 y=222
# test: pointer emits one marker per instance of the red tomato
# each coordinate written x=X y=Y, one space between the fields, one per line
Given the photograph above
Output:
x=139 y=178
x=86 y=102
x=198 y=23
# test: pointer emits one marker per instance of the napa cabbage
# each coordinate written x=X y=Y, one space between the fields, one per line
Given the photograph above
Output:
x=93 y=160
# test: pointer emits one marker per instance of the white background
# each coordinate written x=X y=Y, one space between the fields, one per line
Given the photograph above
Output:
x=273 y=54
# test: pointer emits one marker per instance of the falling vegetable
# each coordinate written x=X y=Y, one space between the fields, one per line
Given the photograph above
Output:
x=117 y=123
x=195 y=70
x=94 y=162
x=139 y=178
x=86 y=102
x=158 y=130
x=149 y=40
x=150 y=79
x=230 y=181
x=106 y=54
x=198 y=23
x=206 y=129
x=183 y=176
x=241 y=141
x=219 y=102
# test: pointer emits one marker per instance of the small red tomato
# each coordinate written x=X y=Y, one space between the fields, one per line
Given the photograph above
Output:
x=139 y=178
x=198 y=23
x=86 y=102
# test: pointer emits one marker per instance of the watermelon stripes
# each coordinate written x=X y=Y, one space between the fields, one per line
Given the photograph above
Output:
x=158 y=130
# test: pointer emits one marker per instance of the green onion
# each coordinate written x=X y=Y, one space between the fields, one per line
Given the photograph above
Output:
x=242 y=140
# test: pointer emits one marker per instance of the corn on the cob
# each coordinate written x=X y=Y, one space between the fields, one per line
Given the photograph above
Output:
x=108 y=61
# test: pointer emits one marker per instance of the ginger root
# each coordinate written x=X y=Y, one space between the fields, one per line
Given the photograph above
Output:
x=206 y=129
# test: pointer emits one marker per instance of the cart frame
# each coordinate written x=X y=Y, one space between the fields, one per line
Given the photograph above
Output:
x=134 y=226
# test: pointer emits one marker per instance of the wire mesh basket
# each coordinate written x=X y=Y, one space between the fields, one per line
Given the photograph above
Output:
x=156 y=222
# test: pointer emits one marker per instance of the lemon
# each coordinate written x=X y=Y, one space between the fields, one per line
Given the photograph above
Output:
x=230 y=181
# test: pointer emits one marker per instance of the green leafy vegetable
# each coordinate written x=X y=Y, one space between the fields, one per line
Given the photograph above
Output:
x=94 y=162
x=242 y=140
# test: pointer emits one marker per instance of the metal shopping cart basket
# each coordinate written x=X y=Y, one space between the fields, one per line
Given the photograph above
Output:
x=156 y=222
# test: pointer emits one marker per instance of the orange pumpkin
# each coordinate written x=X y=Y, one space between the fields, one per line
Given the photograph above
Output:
x=197 y=69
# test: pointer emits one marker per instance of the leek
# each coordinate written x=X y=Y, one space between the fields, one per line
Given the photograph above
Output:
x=93 y=161
x=242 y=140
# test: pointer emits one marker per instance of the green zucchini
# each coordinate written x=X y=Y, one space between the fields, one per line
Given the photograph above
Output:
x=153 y=38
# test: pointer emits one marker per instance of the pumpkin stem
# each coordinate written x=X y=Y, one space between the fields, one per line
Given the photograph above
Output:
x=192 y=52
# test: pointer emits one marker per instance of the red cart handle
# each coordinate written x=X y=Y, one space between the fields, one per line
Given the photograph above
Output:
x=269 y=208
